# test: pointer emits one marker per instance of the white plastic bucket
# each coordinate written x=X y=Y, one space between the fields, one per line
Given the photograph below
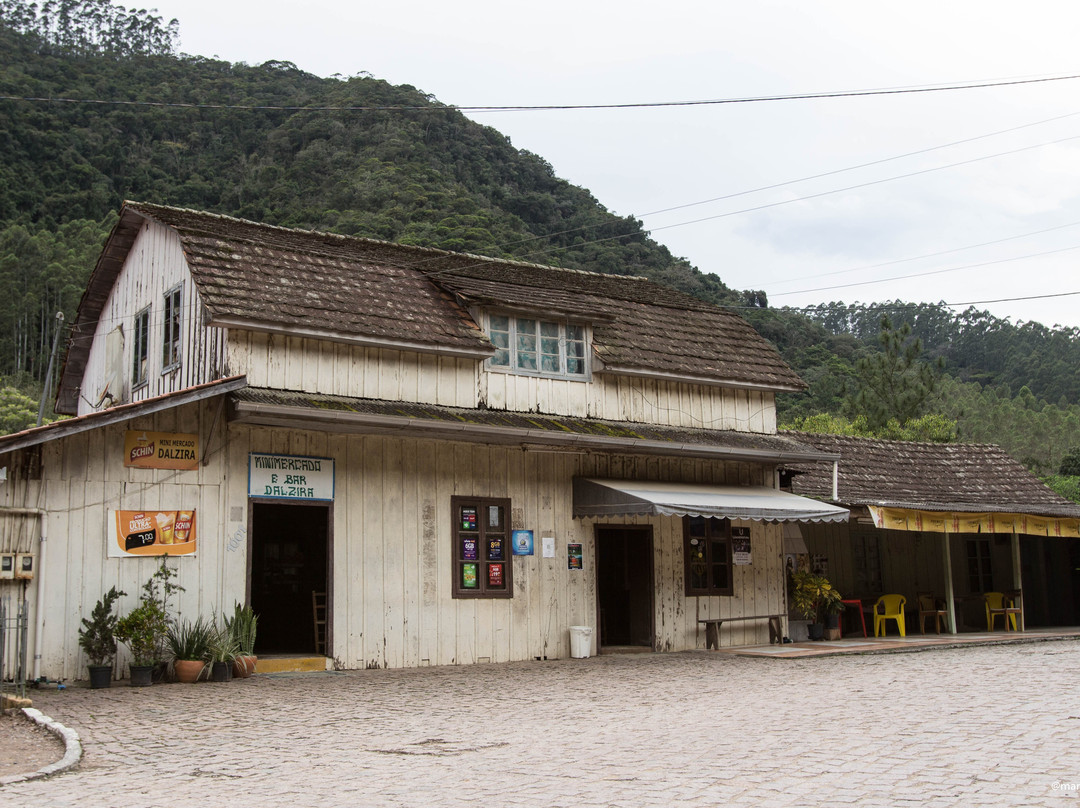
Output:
x=580 y=642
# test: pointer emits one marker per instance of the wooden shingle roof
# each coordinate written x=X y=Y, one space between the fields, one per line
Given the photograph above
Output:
x=272 y=278
x=926 y=476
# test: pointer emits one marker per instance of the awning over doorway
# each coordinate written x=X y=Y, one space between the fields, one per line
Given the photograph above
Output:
x=599 y=497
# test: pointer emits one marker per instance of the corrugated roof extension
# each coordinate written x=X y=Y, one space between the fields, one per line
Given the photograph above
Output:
x=260 y=276
x=926 y=476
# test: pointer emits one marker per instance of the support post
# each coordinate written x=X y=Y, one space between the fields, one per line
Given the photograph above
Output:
x=1018 y=583
x=950 y=604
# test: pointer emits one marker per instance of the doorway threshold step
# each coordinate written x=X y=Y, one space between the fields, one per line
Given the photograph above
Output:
x=292 y=663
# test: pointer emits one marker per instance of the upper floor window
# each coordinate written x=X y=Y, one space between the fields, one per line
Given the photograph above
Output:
x=140 y=348
x=538 y=347
x=170 y=337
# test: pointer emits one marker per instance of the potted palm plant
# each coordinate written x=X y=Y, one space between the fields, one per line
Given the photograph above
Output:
x=189 y=645
x=223 y=651
x=97 y=638
x=814 y=598
x=242 y=626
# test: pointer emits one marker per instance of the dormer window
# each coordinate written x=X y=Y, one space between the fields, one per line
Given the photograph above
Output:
x=538 y=347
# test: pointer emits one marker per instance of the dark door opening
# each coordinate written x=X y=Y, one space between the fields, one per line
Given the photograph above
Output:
x=288 y=563
x=624 y=585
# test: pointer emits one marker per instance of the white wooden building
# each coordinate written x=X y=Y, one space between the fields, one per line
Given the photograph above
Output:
x=468 y=456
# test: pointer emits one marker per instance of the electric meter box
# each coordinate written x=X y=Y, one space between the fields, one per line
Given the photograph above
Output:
x=7 y=566
x=24 y=565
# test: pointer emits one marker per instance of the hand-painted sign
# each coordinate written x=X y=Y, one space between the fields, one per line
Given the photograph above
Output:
x=161 y=450
x=152 y=533
x=272 y=476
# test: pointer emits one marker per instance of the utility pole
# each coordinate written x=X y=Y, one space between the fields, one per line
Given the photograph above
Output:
x=48 y=374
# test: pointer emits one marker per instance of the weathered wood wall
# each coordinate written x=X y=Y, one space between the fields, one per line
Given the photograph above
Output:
x=391 y=563
x=319 y=366
x=155 y=266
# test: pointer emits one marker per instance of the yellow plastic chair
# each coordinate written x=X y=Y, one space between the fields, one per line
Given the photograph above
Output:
x=997 y=605
x=889 y=607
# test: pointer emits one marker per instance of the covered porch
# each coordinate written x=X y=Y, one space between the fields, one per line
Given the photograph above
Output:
x=959 y=529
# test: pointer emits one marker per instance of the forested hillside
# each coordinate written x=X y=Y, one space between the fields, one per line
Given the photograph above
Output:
x=98 y=107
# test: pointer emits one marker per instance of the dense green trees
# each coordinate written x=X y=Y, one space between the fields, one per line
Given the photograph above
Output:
x=371 y=159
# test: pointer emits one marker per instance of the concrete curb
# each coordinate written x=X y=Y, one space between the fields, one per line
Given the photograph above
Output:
x=72 y=749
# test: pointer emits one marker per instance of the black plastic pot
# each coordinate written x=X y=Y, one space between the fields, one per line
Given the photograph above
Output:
x=141 y=675
x=100 y=676
x=221 y=671
x=815 y=631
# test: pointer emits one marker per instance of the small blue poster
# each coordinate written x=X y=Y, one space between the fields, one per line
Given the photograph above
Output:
x=522 y=541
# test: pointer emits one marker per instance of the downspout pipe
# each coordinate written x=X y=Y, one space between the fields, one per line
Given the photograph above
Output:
x=39 y=633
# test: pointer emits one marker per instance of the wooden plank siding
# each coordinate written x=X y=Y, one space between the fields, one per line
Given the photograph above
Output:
x=390 y=548
x=317 y=366
x=155 y=266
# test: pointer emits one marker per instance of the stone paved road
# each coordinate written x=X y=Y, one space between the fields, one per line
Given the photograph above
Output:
x=969 y=726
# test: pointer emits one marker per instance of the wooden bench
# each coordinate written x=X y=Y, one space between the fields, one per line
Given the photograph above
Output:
x=712 y=628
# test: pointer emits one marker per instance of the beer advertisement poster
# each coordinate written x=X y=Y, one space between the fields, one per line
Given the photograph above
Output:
x=161 y=450
x=152 y=533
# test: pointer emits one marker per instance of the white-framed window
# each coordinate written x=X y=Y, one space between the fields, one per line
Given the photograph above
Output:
x=140 y=348
x=538 y=347
x=170 y=335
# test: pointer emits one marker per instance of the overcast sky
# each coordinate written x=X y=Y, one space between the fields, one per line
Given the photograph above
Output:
x=847 y=228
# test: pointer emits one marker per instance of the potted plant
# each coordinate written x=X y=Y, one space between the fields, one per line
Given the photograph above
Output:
x=189 y=645
x=223 y=652
x=242 y=626
x=97 y=638
x=144 y=628
x=814 y=598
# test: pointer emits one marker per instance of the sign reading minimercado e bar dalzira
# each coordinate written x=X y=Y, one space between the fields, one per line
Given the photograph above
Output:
x=274 y=476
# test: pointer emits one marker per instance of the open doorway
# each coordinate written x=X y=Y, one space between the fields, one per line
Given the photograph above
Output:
x=624 y=585
x=289 y=561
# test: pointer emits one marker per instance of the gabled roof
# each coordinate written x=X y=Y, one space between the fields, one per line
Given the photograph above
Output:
x=261 y=277
x=926 y=476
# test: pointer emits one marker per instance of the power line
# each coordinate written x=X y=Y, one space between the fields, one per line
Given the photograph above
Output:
x=549 y=107
x=924 y=255
x=930 y=272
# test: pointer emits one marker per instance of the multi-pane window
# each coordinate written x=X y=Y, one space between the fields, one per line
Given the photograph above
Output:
x=708 y=555
x=140 y=348
x=481 y=552
x=170 y=336
x=540 y=347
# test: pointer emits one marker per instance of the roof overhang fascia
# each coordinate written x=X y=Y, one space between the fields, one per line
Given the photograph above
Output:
x=245 y=324
x=284 y=415
x=119 y=414
x=623 y=370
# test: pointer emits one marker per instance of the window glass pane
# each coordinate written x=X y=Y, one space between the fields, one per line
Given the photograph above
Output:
x=499 y=323
x=549 y=363
x=697 y=525
x=575 y=349
x=549 y=330
x=575 y=332
x=526 y=344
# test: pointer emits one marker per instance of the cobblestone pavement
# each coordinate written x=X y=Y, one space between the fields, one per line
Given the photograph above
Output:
x=995 y=725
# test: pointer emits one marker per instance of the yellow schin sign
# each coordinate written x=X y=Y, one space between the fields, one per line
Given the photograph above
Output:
x=161 y=450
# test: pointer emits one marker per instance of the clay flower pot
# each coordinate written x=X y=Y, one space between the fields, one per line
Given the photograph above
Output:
x=244 y=666
x=188 y=670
